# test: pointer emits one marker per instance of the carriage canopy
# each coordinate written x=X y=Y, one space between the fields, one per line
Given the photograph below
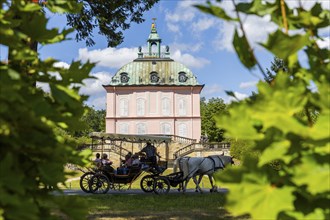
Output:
x=130 y=138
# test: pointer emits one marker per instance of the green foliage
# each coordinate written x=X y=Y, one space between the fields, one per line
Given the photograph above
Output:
x=94 y=121
x=111 y=17
x=240 y=148
x=33 y=151
x=276 y=66
x=286 y=122
x=210 y=109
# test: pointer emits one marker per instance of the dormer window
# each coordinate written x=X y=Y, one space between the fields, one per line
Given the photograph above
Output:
x=182 y=77
x=124 y=77
x=154 y=77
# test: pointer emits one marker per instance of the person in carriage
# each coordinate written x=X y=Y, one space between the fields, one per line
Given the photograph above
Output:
x=151 y=153
x=106 y=163
x=135 y=160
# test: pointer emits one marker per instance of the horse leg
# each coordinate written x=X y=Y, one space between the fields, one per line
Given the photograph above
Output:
x=184 y=186
x=199 y=181
x=213 y=189
x=197 y=184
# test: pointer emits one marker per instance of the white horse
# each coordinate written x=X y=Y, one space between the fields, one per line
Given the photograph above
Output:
x=200 y=166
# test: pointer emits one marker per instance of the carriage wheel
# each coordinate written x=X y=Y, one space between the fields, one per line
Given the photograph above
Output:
x=84 y=181
x=99 y=183
x=161 y=185
x=147 y=183
x=118 y=186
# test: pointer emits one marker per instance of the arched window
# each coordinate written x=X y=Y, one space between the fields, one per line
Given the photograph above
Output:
x=165 y=128
x=154 y=47
x=183 y=131
x=182 y=107
x=140 y=107
x=123 y=128
x=123 y=105
x=141 y=128
x=166 y=106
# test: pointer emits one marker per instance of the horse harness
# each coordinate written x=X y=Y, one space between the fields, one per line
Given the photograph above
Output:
x=222 y=164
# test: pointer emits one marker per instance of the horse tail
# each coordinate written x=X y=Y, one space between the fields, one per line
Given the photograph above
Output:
x=176 y=164
x=181 y=163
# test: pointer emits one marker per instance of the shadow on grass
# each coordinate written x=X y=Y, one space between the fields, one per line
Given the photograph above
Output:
x=150 y=206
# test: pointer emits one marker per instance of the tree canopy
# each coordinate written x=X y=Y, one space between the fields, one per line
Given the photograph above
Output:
x=298 y=186
x=110 y=17
x=35 y=127
x=210 y=109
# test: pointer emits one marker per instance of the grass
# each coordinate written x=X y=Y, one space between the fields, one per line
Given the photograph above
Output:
x=151 y=206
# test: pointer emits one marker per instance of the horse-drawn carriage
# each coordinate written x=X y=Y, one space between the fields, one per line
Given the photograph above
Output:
x=101 y=179
x=191 y=167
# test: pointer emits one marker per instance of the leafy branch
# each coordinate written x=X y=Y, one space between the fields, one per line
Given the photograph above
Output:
x=286 y=123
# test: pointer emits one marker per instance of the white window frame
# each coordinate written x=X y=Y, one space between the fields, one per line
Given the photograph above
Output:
x=141 y=128
x=182 y=106
x=165 y=128
x=183 y=130
x=124 y=128
x=123 y=107
x=140 y=107
x=166 y=106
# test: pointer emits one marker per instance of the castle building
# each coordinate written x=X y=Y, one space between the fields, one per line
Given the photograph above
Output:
x=153 y=94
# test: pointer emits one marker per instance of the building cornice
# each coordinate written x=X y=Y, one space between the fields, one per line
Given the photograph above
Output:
x=155 y=117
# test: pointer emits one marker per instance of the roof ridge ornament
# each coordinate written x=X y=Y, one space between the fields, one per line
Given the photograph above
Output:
x=153 y=25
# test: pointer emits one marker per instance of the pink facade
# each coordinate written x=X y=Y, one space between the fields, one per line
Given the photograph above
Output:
x=154 y=95
x=154 y=110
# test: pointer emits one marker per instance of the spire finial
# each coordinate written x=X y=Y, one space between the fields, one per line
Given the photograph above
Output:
x=153 y=25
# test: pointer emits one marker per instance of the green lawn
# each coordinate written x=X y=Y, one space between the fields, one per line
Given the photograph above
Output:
x=151 y=206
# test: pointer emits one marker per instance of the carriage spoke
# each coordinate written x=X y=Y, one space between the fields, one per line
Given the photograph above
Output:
x=147 y=183
x=84 y=181
x=161 y=185
x=99 y=183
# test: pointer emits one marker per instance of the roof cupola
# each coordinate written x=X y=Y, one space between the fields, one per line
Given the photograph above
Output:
x=154 y=41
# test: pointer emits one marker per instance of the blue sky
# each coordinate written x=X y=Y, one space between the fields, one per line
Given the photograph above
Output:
x=200 y=41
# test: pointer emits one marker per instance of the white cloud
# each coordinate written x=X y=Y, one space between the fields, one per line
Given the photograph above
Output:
x=252 y=25
x=94 y=86
x=62 y=64
x=173 y=27
x=244 y=85
x=203 y=24
x=189 y=60
x=43 y=86
x=184 y=12
x=211 y=90
x=98 y=102
x=109 y=57
x=116 y=58
x=239 y=96
x=307 y=5
x=325 y=43
x=95 y=90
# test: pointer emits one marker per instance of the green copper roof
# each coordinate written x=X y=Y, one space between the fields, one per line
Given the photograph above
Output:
x=154 y=72
x=154 y=68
